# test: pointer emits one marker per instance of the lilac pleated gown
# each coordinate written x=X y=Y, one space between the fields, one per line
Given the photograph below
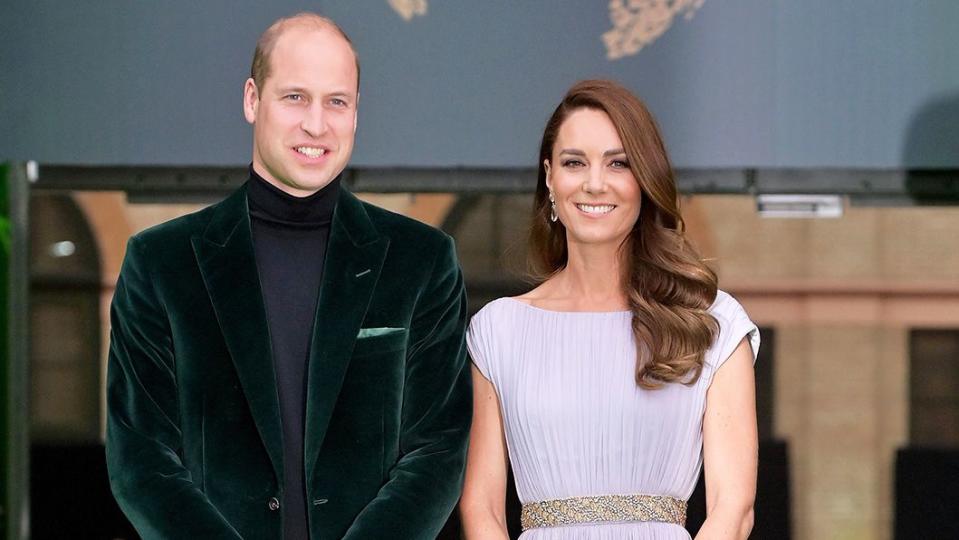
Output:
x=576 y=423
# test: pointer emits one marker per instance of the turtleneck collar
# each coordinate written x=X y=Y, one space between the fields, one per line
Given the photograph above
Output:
x=273 y=205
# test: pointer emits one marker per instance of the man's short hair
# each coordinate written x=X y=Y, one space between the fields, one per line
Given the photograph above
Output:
x=260 y=69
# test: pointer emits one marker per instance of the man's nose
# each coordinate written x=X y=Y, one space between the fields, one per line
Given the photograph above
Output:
x=314 y=121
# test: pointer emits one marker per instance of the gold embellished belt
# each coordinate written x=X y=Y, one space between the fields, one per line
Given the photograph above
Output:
x=603 y=509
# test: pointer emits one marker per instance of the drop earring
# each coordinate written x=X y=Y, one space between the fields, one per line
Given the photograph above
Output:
x=552 y=200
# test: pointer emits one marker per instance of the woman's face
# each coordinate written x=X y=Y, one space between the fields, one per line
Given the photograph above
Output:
x=597 y=197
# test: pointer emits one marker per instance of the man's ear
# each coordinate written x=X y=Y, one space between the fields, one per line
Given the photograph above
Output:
x=251 y=100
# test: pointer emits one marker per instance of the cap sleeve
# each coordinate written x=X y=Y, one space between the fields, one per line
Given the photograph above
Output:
x=734 y=325
x=478 y=337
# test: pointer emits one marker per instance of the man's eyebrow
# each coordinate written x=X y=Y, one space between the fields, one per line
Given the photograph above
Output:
x=292 y=90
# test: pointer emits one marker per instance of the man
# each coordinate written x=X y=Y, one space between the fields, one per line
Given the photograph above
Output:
x=289 y=362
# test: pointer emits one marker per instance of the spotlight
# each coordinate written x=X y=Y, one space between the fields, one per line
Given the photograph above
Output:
x=799 y=206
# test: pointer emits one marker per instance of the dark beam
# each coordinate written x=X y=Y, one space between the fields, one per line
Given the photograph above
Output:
x=179 y=183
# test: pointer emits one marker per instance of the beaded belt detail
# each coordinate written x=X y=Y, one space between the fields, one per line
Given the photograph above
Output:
x=603 y=508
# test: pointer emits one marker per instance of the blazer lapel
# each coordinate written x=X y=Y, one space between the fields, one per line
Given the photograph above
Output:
x=226 y=260
x=354 y=258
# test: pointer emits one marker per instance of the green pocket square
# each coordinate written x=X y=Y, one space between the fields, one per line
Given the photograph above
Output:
x=373 y=332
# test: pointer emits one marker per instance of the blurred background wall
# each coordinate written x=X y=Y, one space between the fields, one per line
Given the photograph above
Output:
x=859 y=379
x=764 y=83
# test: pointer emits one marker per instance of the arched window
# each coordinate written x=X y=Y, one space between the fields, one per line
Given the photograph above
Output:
x=64 y=322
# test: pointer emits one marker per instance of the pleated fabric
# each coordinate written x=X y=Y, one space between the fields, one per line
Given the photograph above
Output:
x=576 y=422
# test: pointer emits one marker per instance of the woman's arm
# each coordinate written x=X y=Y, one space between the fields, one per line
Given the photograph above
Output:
x=730 y=448
x=483 y=505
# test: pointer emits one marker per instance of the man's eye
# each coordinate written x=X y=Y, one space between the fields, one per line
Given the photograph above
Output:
x=293 y=97
x=337 y=102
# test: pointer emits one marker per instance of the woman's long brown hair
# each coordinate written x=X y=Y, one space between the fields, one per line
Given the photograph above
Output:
x=668 y=287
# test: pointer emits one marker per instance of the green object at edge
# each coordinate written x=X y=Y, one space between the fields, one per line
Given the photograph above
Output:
x=5 y=240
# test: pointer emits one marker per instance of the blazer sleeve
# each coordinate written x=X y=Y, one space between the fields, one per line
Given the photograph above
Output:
x=425 y=483
x=143 y=445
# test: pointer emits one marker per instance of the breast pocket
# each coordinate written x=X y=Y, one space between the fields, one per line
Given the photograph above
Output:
x=380 y=340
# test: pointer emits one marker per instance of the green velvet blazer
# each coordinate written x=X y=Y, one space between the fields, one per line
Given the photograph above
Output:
x=194 y=445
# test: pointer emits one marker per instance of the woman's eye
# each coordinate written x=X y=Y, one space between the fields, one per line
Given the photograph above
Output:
x=572 y=163
x=619 y=164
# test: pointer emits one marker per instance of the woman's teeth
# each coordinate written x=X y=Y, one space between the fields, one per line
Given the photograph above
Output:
x=596 y=208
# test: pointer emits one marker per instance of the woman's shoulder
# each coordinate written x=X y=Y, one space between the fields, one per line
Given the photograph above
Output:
x=503 y=305
x=488 y=328
x=734 y=324
x=497 y=309
x=725 y=307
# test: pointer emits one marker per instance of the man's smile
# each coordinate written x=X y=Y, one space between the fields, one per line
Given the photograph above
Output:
x=312 y=151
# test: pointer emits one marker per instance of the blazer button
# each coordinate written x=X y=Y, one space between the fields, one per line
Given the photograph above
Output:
x=274 y=504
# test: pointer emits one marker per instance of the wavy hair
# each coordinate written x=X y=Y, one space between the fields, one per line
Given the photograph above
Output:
x=668 y=286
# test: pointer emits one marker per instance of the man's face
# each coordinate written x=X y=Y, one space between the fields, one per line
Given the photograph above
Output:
x=304 y=117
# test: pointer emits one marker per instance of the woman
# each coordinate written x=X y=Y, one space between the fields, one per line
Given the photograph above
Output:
x=613 y=381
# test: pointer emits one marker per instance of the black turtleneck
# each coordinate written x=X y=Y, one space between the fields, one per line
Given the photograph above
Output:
x=289 y=241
